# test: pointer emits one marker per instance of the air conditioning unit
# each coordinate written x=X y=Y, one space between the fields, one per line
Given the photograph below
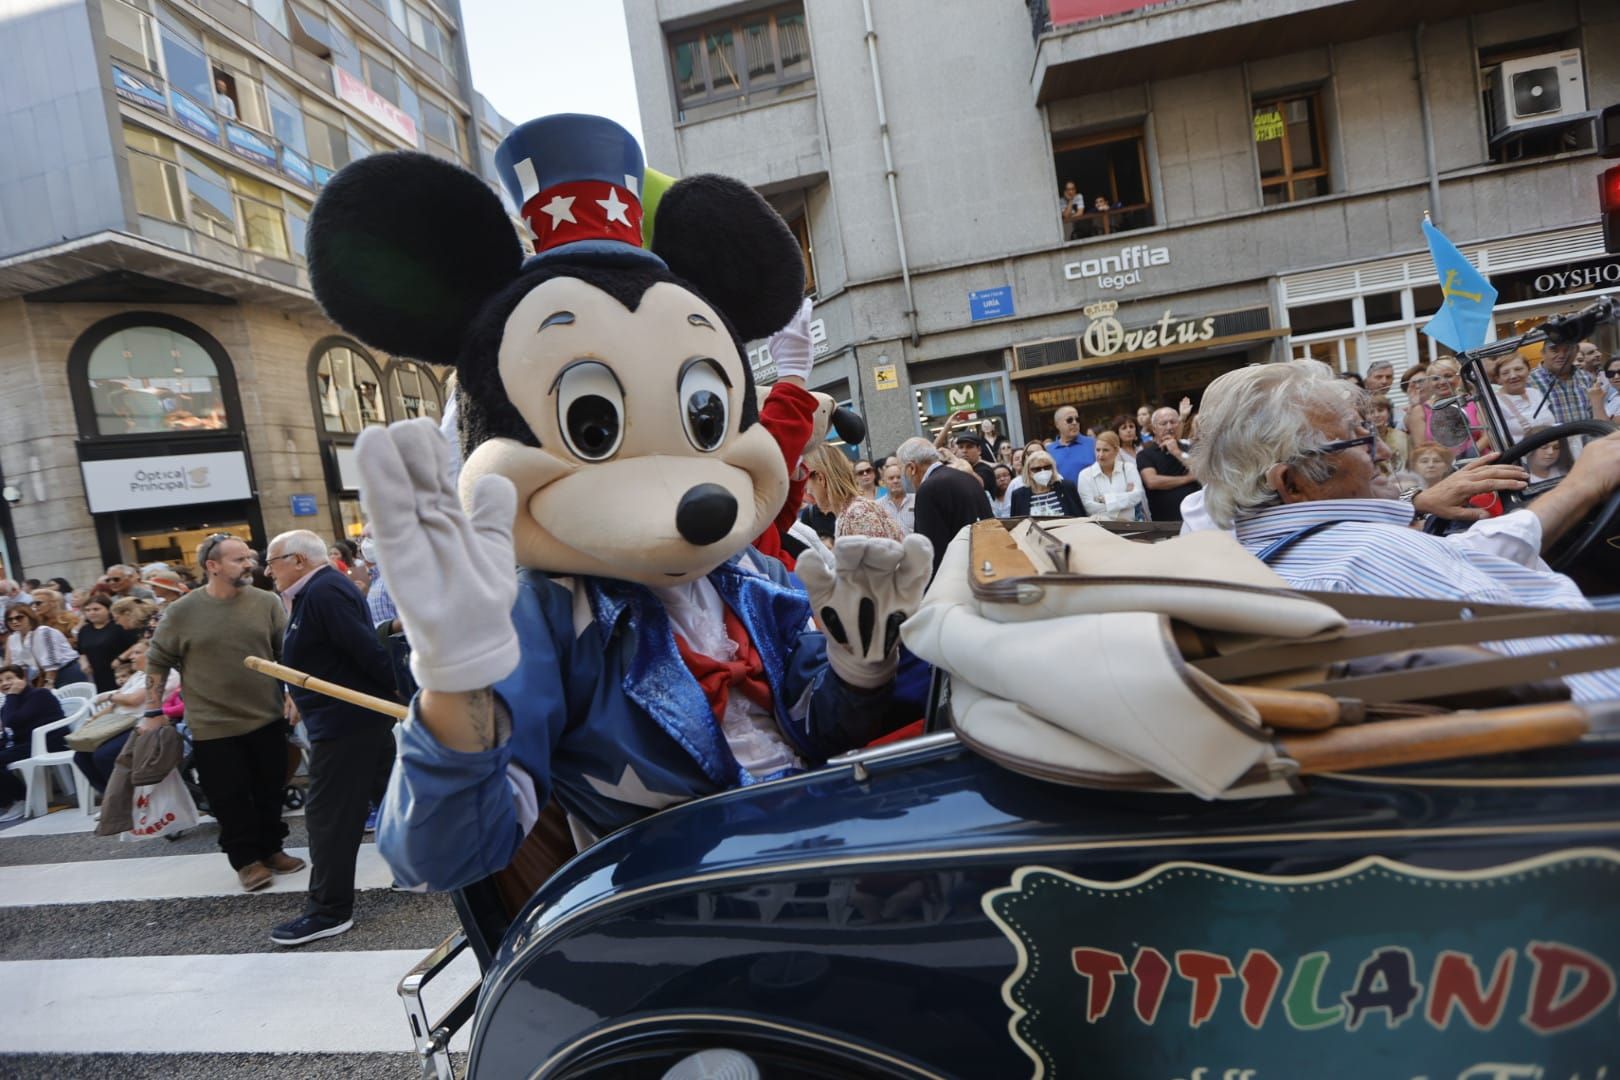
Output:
x=1535 y=90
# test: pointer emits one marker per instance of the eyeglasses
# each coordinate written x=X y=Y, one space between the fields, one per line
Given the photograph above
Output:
x=273 y=558
x=858 y=472
x=1615 y=374
x=209 y=544
x=1369 y=441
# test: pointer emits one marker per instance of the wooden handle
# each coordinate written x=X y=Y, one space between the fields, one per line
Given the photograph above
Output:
x=1298 y=710
x=1435 y=738
x=996 y=555
x=321 y=686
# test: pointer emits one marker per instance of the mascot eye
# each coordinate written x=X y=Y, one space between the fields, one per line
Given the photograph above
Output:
x=703 y=395
x=590 y=410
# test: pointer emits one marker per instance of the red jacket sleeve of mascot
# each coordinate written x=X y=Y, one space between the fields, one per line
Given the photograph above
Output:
x=789 y=414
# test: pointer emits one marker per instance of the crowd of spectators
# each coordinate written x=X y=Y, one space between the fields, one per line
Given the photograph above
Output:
x=161 y=646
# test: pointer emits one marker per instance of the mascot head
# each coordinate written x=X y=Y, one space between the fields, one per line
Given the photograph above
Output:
x=606 y=380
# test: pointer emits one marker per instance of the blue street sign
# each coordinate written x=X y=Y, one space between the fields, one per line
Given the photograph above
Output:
x=994 y=303
x=303 y=505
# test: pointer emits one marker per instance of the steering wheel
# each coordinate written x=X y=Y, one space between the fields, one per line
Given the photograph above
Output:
x=1577 y=541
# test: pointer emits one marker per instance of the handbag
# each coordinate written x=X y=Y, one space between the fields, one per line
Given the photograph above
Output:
x=161 y=809
x=98 y=729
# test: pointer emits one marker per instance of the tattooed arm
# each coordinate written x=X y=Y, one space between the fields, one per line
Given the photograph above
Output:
x=468 y=722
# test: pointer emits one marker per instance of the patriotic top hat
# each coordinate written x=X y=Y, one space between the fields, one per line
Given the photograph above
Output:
x=577 y=180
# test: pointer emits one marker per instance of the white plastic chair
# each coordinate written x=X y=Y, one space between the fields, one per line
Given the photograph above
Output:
x=36 y=769
x=82 y=691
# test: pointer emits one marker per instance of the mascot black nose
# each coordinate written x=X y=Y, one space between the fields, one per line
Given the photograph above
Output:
x=706 y=515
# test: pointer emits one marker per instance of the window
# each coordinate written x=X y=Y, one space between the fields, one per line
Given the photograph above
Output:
x=412 y=105
x=264 y=228
x=1293 y=155
x=209 y=206
x=273 y=12
x=150 y=380
x=187 y=66
x=349 y=391
x=380 y=76
x=131 y=35
x=1109 y=172
x=297 y=226
x=441 y=126
x=236 y=81
x=1317 y=318
x=750 y=61
x=425 y=34
x=345 y=53
x=155 y=175
x=310 y=31
x=286 y=121
x=1338 y=354
x=413 y=391
x=1382 y=307
x=327 y=139
x=796 y=212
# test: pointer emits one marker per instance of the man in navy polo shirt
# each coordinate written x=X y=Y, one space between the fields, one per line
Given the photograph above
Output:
x=1072 y=450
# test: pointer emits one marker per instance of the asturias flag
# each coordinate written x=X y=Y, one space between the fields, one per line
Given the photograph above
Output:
x=1465 y=318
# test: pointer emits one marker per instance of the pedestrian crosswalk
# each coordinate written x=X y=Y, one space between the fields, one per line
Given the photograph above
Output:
x=147 y=959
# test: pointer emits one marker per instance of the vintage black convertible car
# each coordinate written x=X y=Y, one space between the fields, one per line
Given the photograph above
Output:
x=920 y=910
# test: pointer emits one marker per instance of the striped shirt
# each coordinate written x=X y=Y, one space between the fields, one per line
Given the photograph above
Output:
x=1370 y=549
x=378 y=602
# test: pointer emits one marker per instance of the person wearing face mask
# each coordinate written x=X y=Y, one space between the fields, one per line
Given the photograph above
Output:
x=1045 y=493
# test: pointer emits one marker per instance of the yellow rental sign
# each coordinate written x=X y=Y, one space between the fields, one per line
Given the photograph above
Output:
x=1268 y=125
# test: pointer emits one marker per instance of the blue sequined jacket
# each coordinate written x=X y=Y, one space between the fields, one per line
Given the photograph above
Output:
x=607 y=717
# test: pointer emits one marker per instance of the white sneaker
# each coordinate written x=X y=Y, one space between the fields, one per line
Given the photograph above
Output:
x=14 y=811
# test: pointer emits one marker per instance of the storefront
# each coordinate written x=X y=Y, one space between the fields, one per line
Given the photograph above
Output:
x=1117 y=364
x=983 y=398
x=1352 y=316
x=350 y=391
x=161 y=447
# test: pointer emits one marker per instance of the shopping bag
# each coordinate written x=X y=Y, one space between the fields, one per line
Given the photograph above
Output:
x=161 y=809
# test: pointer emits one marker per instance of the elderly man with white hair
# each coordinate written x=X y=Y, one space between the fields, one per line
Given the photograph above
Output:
x=330 y=635
x=1287 y=463
x=947 y=499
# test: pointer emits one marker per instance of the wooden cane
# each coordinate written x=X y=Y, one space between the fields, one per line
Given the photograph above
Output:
x=1300 y=710
x=321 y=686
x=1437 y=738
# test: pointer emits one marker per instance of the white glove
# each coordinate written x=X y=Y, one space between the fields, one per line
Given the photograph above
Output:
x=790 y=346
x=861 y=592
x=452 y=575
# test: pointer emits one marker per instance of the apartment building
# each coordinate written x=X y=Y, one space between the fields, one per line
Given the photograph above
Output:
x=167 y=373
x=1249 y=178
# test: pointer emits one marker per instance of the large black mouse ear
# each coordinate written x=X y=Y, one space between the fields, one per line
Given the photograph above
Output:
x=404 y=249
x=718 y=234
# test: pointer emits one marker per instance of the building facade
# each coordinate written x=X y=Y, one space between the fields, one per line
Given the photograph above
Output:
x=167 y=371
x=1249 y=181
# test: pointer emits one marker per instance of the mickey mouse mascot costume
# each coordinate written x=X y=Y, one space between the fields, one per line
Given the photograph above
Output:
x=588 y=620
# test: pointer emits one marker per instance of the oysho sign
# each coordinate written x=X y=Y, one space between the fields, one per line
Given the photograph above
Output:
x=1118 y=271
x=1578 y=278
x=165 y=480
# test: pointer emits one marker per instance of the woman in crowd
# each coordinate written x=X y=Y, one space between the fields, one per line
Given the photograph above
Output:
x=1380 y=415
x=101 y=640
x=1432 y=462
x=344 y=555
x=1001 y=498
x=832 y=485
x=1045 y=493
x=1513 y=394
x=866 y=479
x=135 y=614
x=1144 y=427
x=1548 y=462
x=1130 y=439
x=1110 y=488
x=23 y=709
x=51 y=608
x=127 y=702
x=44 y=652
x=1445 y=380
x=1021 y=469
x=1017 y=462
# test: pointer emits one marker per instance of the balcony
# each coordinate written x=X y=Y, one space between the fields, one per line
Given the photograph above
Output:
x=1137 y=41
